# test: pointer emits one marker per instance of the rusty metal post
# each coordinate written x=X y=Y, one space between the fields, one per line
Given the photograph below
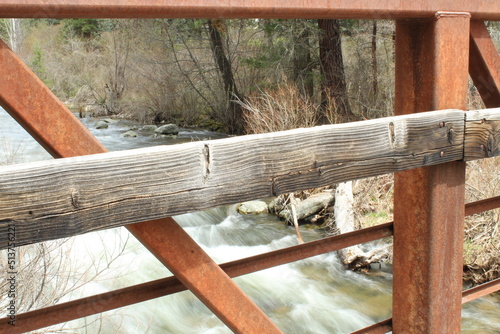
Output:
x=484 y=65
x=431 y=74
x=33 y=105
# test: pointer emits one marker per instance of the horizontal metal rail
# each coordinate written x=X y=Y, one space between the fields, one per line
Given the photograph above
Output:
x=482 y=205
x=373 y=9
x=481 y=291
x=467 y=296
x=378 y=328
x=142 y=292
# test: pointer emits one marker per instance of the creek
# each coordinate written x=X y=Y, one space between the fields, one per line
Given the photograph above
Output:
x=313 y=296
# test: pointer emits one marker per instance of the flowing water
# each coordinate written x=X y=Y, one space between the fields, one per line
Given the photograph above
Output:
x=311 y=296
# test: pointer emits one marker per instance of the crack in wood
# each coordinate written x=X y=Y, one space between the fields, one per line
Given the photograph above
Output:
x=207 y=167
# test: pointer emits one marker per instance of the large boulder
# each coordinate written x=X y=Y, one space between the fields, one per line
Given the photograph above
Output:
x=308 y=207
x=252 y=207
x=101 y=125
x=168 y=129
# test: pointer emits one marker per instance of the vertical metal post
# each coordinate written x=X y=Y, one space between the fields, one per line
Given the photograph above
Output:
x=39 y=111
x=431 y=74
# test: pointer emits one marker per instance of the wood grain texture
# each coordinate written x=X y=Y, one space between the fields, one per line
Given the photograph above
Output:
x=482 y=134
x=65 y=197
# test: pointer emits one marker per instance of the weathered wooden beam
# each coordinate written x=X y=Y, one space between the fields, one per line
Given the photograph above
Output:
x=310 y=9
x=482 y=134
x=61 y=198
x=484 y=64
x=48 y=200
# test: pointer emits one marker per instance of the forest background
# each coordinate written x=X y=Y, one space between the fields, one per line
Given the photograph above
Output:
x=245 y=76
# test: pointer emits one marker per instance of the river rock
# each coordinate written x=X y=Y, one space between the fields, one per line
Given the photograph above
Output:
x=168 y=129
x=130 y=133
x=252 y=207
x=151 y=127
x=277 y=204
x=309 y=206
x=101 y=125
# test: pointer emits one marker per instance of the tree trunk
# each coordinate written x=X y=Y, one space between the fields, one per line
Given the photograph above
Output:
x=235 y=118
x=335 y=102
x=301 y=59
x=374 y=62
x=14 y=32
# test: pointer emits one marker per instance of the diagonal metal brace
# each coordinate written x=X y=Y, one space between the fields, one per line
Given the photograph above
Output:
x=24 y=96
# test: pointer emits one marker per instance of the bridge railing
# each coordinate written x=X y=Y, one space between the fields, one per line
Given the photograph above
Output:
x=435 y=51
x=164 y=181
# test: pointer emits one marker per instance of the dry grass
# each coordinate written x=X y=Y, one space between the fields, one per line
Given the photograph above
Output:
x=279 y=109
x=374 y=199
x=482 y=235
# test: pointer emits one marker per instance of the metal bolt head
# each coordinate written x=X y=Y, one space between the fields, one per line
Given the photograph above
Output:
x=441 y=154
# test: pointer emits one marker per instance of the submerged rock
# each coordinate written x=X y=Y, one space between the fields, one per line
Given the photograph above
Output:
x=149 y=127
x=130 y=133
x=168 y=129
x=252 y=207
x=101 y=125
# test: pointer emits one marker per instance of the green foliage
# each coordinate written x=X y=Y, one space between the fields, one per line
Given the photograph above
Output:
x=188 y=28
x=3 y=30
x=37 y=65
x=262 y=61
x=83 y=28
x=348 y=27
x=37 y=62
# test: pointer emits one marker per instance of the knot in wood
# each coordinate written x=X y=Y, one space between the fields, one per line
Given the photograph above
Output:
x=75 y=196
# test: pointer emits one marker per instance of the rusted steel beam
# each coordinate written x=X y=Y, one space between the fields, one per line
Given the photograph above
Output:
x=32 y=104
x=142 y=292
x=199 y=273
x=24 y=96
x=311 y=9
x=483 y=205
x=378 y=328
x=481 y=291
x=88 y=306
x=484 y=64
x=431 y=73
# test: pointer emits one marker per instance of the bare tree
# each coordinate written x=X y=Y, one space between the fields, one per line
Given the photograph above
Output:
x=235 y=118
x=14 y=33
x=335 y=101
